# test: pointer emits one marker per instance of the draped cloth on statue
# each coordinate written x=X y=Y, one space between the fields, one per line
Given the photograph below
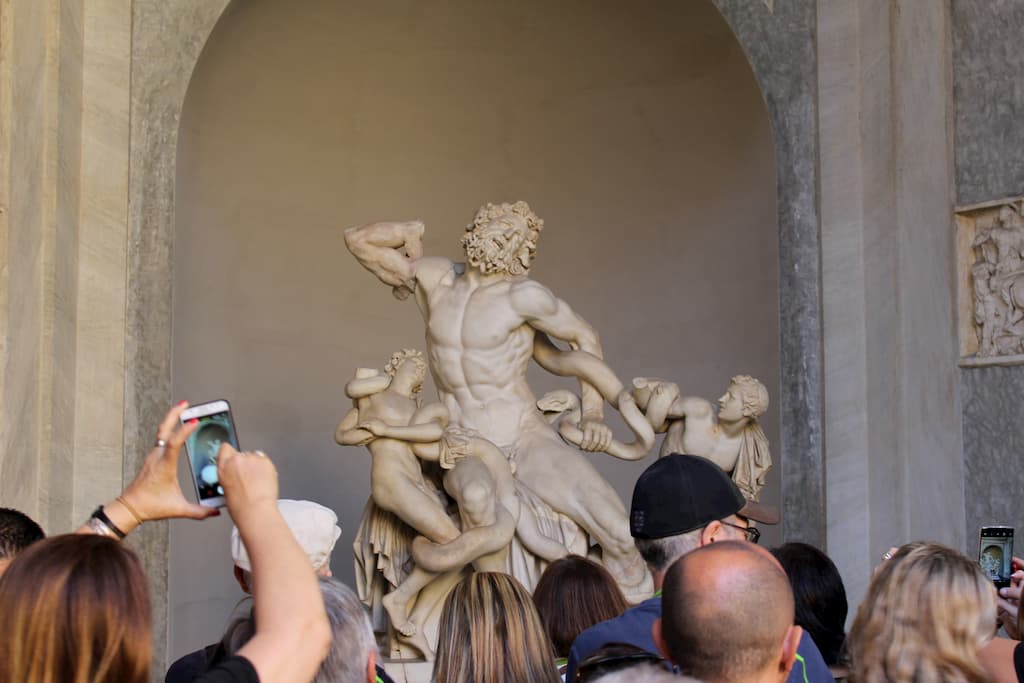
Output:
x=523 y=564
x=753 y=462
x=383 y=559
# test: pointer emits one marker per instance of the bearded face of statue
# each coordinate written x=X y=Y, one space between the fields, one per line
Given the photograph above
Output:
x=499 y=246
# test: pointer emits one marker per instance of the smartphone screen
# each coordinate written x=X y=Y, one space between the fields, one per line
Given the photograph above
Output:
x=216 y=427
x=995 y=553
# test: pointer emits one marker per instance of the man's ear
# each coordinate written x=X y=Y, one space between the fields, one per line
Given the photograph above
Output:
x=371 y=667
x=710 y=533
x=240 y=578
x=659 y=639
x=790 y=643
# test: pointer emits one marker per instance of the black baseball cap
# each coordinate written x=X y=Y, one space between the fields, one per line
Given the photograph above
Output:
x=680 y=493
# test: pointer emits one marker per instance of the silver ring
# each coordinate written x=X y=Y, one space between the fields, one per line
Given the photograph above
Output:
x=887 y=555
x=260 y=453
x=159 y=443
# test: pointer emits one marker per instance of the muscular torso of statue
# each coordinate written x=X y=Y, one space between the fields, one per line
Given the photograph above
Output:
x=479 y=369
x=699 y=434
x=391 y=457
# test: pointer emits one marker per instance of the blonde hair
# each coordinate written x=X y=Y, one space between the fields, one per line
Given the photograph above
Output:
x=928 y=611
x=490 y=632
x=75 y=609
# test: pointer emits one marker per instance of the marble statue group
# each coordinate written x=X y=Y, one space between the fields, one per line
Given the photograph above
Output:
x=997 y=276
x=490 y=477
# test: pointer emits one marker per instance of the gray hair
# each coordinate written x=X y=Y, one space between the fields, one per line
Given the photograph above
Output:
x=352 y=635
x=660 y=553
x=352 y=638
x=643 y=673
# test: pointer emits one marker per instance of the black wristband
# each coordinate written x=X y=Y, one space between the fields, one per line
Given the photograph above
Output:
x=102 y=516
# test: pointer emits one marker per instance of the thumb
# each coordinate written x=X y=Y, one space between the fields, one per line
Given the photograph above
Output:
x=195 y=511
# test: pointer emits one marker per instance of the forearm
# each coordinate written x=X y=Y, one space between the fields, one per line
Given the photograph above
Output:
x=421 y=433
x=118 y=513
x=352 y=437
x=292 y=632
x=387 y=249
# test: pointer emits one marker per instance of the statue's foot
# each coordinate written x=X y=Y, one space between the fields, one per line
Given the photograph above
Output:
x=394 y=605
x=419 y=641
x=632 y=575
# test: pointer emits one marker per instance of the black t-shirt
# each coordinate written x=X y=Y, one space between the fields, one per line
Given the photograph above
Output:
x=233 y=669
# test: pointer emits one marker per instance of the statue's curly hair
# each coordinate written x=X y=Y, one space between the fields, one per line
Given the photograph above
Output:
x=488 y=212
x=399 y=357
x=753 y=394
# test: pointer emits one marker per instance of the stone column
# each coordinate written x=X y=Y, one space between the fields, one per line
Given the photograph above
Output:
x=894 y=462
x=63 y=208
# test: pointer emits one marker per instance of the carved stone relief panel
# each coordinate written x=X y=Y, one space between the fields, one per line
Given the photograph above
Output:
x=990 y=248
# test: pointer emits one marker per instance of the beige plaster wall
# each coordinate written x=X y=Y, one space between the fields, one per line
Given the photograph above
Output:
x=636 y=132
x=63 y=202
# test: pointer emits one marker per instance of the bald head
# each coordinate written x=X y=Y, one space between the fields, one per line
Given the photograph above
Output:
x=727 y=614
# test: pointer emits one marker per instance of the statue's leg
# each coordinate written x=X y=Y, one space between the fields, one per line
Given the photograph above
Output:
x=564 y=479
x=425 y=605
x=487 y=527
x=396 y=603
x=415 y=507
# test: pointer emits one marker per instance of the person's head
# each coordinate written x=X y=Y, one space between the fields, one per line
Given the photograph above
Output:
x=353 y=653
x=314 y=526
x=407 y=369
x=502 y=238
x=745 y=399
x=490 y=631
x=641 y=673
x=17 y=532
x=1007 y=215
x=927 y=612
x=75 y=608
x=612 y=660
x=683 y=502
x=820 y=597
x=572 y=595
x=727 y=615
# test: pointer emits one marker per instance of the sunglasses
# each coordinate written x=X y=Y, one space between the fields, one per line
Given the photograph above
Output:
x=751 y=533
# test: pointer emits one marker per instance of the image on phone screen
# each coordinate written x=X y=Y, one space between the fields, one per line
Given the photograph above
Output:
x=996 y=553
x=203 y=444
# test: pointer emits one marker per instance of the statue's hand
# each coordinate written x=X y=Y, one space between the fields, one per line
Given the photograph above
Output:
x=597 y=436
x=374 y=426
x=360 y=437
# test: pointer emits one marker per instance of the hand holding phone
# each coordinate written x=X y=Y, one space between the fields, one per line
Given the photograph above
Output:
x=215 y=427
x=1008 y=602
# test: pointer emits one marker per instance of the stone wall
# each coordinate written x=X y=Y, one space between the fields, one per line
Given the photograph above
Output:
x=988 y=68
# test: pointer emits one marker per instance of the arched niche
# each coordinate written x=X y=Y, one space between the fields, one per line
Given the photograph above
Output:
x=167 y=41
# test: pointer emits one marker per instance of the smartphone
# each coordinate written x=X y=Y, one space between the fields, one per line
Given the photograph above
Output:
x=216 y=426
x=995 y=554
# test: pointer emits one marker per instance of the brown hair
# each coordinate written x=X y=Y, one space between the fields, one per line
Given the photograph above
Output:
x=75 y=609
x=928 y=611
x=572 y=595
x=490 y=633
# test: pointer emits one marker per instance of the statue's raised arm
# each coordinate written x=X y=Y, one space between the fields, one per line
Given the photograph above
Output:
x=389 y=250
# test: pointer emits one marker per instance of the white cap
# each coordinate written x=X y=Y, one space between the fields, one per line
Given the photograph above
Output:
x=314 y=526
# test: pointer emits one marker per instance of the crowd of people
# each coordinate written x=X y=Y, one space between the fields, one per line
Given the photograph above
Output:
x=75 y=607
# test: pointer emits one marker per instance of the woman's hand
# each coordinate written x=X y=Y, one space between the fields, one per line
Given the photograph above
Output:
x=155 y=492
x=1008 y=601
x=249 y=479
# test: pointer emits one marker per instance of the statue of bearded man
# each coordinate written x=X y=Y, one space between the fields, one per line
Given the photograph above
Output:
x=482 y=319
